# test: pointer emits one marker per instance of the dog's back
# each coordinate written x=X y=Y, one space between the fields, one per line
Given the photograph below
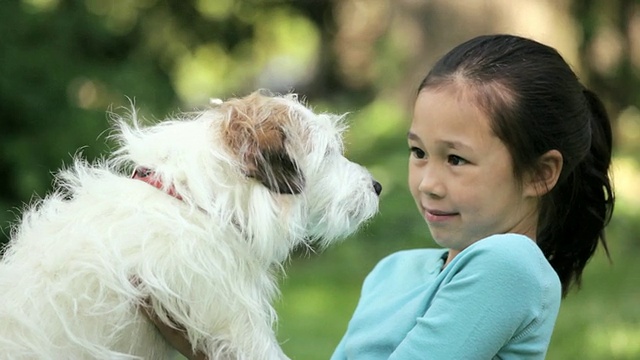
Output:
x=65 y=277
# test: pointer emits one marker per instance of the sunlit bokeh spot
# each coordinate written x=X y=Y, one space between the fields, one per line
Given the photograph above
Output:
x=119 y=17
x=218 y=9
x=40 y=5
x=618 y=340
x=629 y=127
x=203 y=74
x=286 y=48
x=626 y=178
x=379 y=119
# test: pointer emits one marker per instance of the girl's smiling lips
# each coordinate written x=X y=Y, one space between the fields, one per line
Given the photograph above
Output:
x=434 y=216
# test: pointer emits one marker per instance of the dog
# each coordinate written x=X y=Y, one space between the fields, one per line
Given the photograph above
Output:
x=218 y=200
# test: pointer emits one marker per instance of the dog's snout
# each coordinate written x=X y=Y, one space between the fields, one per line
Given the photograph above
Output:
x=377 y=187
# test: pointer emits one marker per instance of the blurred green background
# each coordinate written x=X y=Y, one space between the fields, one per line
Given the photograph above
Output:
x=65 y=63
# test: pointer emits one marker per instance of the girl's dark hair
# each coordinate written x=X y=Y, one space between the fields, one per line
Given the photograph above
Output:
x=536 y=104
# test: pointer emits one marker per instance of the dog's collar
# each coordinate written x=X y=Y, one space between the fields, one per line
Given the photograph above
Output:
x=149 y=176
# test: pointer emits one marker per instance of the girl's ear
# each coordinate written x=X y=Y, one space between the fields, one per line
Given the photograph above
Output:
x=546 y=175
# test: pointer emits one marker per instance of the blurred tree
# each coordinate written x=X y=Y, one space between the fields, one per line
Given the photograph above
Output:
x=610 y=57
x=61 y=68
x=65 y=62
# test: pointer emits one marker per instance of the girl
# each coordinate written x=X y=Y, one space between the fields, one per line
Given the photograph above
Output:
x=509 y=167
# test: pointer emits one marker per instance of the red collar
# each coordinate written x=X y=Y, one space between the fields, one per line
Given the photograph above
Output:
x=149 y=176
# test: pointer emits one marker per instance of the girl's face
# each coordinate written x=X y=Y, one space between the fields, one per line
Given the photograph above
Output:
x=461 y=174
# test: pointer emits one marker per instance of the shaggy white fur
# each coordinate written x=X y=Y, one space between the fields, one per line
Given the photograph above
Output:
x=235 y=189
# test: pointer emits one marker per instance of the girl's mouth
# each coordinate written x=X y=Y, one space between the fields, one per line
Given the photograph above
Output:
x=435 y=216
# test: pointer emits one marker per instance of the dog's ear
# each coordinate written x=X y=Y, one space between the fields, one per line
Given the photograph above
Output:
x=277 y=171
x=255 y=132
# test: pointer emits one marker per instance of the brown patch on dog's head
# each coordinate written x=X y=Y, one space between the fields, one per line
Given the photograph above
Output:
x=255 y=132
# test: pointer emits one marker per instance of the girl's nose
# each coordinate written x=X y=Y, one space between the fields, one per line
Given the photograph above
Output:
x=431 y=183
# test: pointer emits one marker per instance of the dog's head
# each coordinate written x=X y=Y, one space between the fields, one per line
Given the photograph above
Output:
x=267 y=167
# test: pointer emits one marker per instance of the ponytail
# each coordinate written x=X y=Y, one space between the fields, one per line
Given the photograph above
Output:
x=581 y=206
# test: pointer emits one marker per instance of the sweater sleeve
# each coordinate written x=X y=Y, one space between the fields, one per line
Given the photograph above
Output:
x=489 y=294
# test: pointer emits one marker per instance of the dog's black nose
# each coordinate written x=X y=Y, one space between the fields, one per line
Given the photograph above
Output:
x=377 y=187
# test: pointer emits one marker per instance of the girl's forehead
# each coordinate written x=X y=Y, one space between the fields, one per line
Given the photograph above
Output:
x=450 y=108
x=488 y=96
x=446 y=118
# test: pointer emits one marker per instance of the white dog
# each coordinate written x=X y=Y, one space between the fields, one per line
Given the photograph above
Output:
x=218 y=201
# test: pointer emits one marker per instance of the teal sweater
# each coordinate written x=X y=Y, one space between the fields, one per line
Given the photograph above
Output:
x=497 y=299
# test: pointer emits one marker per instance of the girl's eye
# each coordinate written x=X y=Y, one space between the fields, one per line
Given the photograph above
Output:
x=417 y=152
x=456 y=160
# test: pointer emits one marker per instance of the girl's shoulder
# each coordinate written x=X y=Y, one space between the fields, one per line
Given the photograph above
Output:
x=430 y=260
x=507 y=260
x=512 y=250
x=414 y=266
x=511 y=257
x=503 y=248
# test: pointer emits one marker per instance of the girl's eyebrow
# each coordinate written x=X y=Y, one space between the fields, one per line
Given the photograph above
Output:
x=456 y=145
